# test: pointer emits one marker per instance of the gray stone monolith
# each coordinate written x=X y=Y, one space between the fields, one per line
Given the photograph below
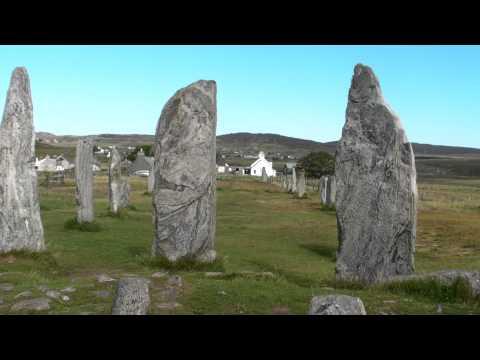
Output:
x=118 y=186
x=336 y=305
x=185 y=175
x=376 y=188
x=20 y=223
x=323 y=189
x=300 y=188
x=150 y=181
x=330 y=191
x=264 y=175
x=293 y=186
x=132 y=297
x=84 y=180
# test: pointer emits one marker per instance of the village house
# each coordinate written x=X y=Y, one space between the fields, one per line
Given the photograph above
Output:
x=53 y=164
x=255 y=169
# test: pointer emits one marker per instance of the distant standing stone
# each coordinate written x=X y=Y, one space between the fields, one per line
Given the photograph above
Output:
x=336 y=305
x=293 y=186
x=20 y=223
x=151 y=181
x=327 y=190
x=119 y=188
x=376 y=188
x=264 y=175
x=184 y=198
x=301 y=183
x=132 y=297
x=84 y=180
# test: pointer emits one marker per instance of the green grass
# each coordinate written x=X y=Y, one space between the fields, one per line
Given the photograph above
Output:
x=260 y=228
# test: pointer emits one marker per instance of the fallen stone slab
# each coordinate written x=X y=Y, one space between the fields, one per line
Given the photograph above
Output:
x=336 y=305
x=53 y=294
x=39 y=304
x=447 y=277
x=160 y=274
x=102 y=278
x=168 y=306
x=69 y=289
x=23 y=294
x=6 y=287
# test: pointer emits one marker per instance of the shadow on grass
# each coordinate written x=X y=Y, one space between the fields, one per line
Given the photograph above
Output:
x=183 y=264
x=43 y=261
x=325 y=251
x=73 y=224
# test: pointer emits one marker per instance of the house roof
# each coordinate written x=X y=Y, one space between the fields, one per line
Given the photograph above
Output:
x=142 y=162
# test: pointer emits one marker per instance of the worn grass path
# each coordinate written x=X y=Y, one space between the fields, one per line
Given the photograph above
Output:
x=259 y=228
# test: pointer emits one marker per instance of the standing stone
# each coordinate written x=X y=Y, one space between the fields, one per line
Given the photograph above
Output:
x=323 y=189
x=330 y=191
x=151 y=181
x=118 y=186
x=264 y=175
x=336 y=305
x=293 y=187
x=376 y=188
x=20 y=223
x=301 y=183
x=284 y=181
x=132 y=297
x=84 y=180
x=185 y=175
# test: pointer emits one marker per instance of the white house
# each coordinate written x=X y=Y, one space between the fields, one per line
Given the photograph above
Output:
x=261 y=162
x=52 y=164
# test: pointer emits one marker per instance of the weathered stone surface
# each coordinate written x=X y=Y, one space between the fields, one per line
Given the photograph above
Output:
x=328 y=190
x=84 y=180
x=264 y=175
x=184 y=198
x=68 y=289
x=376 y=188
x=20 y=223
x=447 y=277
x=169 y=306
x=151 y=182
x=40 y=304
x=132 y=297
x=301 y=183
x=104 y=278
x=53 y=294
x=23 y=294
x=159 y=274
x=118 y=186
x=175 y=280
x=101 y=293
x=293 y=186
x=336 y=305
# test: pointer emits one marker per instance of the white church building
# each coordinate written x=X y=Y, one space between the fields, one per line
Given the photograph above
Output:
x=261 y=162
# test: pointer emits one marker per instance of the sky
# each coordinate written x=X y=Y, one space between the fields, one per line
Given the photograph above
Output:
x=298 y=91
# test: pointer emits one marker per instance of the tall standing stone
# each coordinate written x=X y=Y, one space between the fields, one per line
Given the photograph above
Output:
x=323 y=189
x=293 y=186
x=376 y=188
x=330 y=191
x=264 y=175
x=118 y=186
x=151 y=181
x=132 y=297
x=185 y=175
x=20 y=223
x=84 y=180
x=301 y=183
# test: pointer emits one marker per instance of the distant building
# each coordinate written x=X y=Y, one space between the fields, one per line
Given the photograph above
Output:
x=261 y=162
x=53 y=164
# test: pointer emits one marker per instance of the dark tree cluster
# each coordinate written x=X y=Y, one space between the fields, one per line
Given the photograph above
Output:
x=317 y=164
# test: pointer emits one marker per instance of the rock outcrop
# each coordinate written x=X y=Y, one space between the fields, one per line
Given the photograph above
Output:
x=20 y=223
x=376 y=188
x=185 y=175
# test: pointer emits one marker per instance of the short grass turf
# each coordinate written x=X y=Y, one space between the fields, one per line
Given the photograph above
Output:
x=259 y=228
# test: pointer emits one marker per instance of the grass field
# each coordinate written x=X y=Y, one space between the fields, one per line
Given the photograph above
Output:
x=260 y=229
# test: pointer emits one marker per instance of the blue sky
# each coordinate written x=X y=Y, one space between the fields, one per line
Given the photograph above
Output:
x=298 y=91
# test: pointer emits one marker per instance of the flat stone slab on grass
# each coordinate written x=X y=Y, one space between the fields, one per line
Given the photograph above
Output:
x=160 y=274
x=23 y=294
x=168 y=306
x=101 y=293
x=6 y=287
x=69 y=289
x=102 y=278
x=336 y=305
x=447 y=277
x=39 y=304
